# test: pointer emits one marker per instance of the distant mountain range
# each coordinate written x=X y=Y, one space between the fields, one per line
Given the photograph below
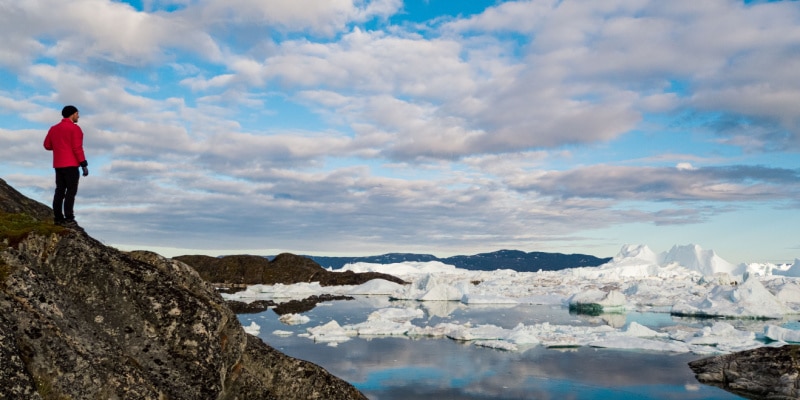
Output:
x=502 y=259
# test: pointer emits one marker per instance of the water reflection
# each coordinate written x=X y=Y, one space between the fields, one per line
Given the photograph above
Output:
x=390 y=368
x=394 y=368
x=615 y=320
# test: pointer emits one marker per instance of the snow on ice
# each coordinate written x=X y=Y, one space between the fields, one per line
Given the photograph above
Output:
x=685 y=281
x=294 y=319
x=253 y=329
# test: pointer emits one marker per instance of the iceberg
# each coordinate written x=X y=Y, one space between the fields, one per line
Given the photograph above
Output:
x=294 y=319
x=748 y=300
x=793 y=270
x=706 y=262
x=595 y=301
x=331 y=332
x=252 y=329
x=636 y=329
x=777 y=333
x=684 y=281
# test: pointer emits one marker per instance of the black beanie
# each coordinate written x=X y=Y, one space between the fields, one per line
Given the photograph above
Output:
x=68 y=110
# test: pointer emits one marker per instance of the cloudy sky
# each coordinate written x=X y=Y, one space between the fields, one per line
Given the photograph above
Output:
x=447 y=127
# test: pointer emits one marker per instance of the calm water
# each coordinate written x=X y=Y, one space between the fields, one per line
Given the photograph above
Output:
x=400 y=368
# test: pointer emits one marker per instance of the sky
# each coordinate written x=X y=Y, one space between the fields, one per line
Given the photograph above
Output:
x=361 y=127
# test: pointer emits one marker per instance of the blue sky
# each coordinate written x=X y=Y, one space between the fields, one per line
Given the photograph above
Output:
x=443 y=127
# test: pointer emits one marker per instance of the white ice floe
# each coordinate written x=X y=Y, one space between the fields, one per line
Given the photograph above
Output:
x=496 y=344
x=636 y=329
x=777 y=333
x=294 y=319
x=686 y=280
x=278 y=292
x=601 y=300
x=721 y=336
x=488 y=299
x=330 y=332
x=252 y=329
x=396 y=314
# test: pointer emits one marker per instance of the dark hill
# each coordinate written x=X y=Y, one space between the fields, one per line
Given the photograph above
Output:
x=285 y=268
x=80 y=320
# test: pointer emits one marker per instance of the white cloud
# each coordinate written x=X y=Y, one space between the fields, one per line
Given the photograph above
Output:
x=470 y=131
x=321 y=17
x=24 y=149
x=97 y=29
x=735 y=183
x=520 y=16
x=593 y=50
x=273 y=150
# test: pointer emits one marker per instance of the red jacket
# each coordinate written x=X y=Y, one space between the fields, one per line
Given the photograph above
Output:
x=65 y=140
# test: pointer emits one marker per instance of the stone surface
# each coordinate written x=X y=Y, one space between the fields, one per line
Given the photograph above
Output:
x=762 y=373
x=80 y=320
x=286 y=268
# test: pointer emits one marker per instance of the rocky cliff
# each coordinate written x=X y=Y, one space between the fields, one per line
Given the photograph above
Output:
x=762 y=373
x=80 y=320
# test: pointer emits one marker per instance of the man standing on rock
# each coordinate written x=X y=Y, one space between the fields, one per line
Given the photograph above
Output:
x=65 y=140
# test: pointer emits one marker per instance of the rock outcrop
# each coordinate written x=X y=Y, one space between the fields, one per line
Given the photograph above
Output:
x=285 y=268
x=80 y=320
x=762 y=373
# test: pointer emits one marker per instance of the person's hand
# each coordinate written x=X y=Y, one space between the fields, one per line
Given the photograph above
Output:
x=85 y=171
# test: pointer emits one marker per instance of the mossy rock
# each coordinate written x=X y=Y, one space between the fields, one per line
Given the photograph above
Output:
x=14 y=228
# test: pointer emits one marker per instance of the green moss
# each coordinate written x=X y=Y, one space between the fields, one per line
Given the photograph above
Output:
x=45 y=388
x=5 y=271
x=16 y=227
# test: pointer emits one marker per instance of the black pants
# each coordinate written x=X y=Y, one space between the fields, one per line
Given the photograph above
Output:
x=66 y=189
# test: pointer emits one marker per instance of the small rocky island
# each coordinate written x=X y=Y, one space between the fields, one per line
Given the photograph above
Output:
x=237 y=271
x=81 y=320
x=762 y=373
x=286 y=268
